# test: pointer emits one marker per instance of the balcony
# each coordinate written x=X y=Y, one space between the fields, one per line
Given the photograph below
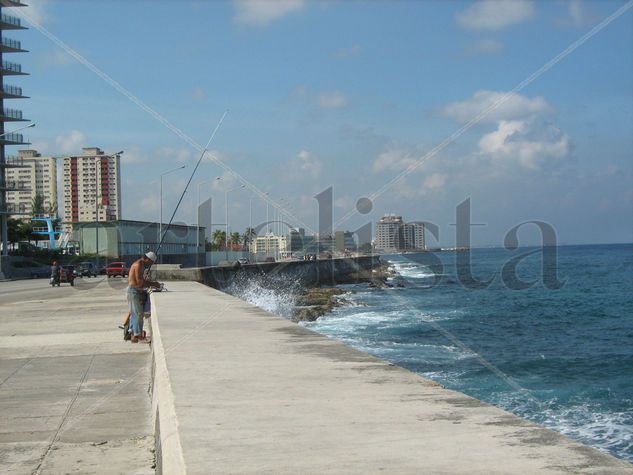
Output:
x=13 y=3
x=11 y=92
x=13 y=139
x=11 y=115
x=11 y=208
x=14 y=162
x=8 y=45
x=12 y=185
x=9 y=22
x=11 y=69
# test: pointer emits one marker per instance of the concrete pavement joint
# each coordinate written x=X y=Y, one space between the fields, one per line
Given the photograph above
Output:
x=55 y=376
x=16 y=371
x=38 y=469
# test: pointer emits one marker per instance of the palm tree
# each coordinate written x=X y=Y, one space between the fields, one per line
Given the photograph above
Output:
x=248 y=236
x=37 y=205
x=219 y=238
x=51 y=210
x=235 y=239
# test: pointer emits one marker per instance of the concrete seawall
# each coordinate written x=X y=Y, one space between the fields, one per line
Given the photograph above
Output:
x=309 y=273
x=238 y=390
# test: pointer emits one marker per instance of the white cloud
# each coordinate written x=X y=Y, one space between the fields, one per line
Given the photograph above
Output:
x=523 y=133
x=36 y=10
x=393 y=159
x=324 y=100
x=434 y=182
x=495 y=14
x=485 y=46
x=58 y=58
x=308 y=164
x=226 y=181
x=71 y=143
x=343 y=53
x=578 y=15
x=148 y=206
x=264 y=12
x=344 y=202
x=303 y=165
x=178 y=155
x=198 y=93
x=332 y=100
x=134 y=155
x=526 y=143
x=511 y=106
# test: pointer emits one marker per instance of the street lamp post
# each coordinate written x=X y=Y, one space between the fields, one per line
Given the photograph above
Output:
x=267 y=221
x=198 y=216
x=250 y=222
x=226 y=224
x=17 y=130
x=160 y=222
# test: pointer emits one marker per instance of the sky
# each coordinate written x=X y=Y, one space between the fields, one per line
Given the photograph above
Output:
x=525 y=108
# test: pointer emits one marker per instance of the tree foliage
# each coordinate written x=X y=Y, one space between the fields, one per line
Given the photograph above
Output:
x=37 y=205
x=219 y=239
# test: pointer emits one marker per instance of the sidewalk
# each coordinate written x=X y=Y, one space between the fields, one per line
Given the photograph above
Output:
x=244 y=391
x=73 y=395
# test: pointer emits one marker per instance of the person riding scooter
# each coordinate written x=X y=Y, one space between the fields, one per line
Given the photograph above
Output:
x=55 y=274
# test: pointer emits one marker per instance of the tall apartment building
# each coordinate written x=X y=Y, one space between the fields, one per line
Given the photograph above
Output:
x=7 y=68
x=389 y=233
x=413 y=236
x=92 y=186
x=37 y=175
x=392 y=234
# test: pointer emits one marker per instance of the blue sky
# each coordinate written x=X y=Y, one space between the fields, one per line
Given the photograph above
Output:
x=349 y=95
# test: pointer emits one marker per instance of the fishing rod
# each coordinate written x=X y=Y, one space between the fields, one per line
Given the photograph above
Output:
x=162 y=238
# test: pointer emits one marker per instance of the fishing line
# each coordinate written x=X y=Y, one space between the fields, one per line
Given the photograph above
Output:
x=162 y=238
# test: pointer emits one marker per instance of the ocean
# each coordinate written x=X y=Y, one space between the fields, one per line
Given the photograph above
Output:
x=558 y=352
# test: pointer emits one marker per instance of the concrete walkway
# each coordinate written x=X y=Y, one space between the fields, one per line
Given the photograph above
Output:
x=73 y=395
x=242 y=391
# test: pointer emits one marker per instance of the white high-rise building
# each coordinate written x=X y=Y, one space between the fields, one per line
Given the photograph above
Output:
x=92 y=186
x=413 y=235
x=36 y=175
x=392 y=234
x=389 y=233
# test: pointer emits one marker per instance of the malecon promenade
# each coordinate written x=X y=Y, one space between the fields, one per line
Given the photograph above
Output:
x=229 y=388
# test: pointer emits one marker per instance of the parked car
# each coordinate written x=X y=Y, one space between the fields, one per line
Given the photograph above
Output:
x=87 y=269
x=116 y=268
x=31 y=269
x=242 y=260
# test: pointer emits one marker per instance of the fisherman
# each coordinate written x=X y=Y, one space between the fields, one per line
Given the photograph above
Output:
x=138 y=282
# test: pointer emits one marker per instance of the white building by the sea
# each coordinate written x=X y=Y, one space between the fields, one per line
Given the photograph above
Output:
x=393 y=234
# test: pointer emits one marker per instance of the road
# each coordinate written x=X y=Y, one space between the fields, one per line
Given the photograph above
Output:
x=17 y=290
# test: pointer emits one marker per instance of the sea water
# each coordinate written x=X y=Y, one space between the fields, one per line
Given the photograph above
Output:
x=561 y=357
